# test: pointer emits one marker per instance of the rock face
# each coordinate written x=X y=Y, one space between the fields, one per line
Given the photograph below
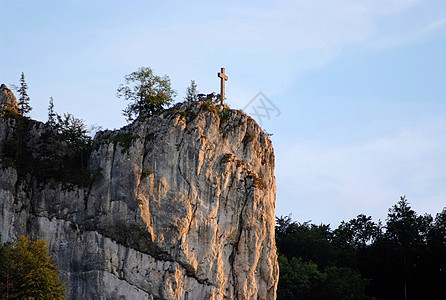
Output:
x=7 y=98
x=178 y=206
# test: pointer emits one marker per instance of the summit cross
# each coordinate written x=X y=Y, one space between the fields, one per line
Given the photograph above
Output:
x=223 y=77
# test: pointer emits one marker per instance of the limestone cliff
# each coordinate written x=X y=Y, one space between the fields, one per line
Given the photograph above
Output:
x=176 y=206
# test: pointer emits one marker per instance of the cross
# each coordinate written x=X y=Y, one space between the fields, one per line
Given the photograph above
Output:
x=223 y=77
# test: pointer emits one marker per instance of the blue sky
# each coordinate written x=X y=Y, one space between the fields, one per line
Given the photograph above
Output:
x=360 y=84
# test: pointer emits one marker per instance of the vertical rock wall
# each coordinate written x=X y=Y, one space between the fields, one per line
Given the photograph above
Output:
x=181 y=207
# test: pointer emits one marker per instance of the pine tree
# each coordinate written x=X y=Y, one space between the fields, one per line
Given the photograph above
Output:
x=51 y=114
x=191 y=92
x=24 y=107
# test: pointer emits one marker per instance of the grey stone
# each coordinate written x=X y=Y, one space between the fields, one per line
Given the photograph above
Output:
x=183 y=208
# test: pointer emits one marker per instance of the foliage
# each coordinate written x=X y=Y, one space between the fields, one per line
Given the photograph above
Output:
x=59 y=153
x=357 y=233
x=191 y=92
x=148 y=93
x=125 y=140
x=257 y=181
x=298 y=279
x=52 y=116
x=361 y=259
x=210 y=106
x=73 y=131
x=146 y=172
x=23 y=102
x=27 y=271
x=209 y=98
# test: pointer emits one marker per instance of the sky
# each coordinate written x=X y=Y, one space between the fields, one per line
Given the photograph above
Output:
x=356 y=89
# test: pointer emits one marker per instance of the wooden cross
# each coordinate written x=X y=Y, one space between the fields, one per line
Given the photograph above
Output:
x=223 y=77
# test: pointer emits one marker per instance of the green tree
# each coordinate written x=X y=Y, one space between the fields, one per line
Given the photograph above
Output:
x=298 y=279
x=27 y=271
x=191 y=92
x=402 y=262
x=342 y=283
x=305 y=240
x=24 y=107
x=357 y=233
x=51 y=114
x=74 y=131
x=404 y=259
x=147 y=92
x=307 y=247
x=403 y=225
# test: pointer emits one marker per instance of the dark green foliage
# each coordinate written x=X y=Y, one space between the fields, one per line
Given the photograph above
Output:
x=125 y=140
x=191 y=92
x=60 y=153
x=357 y=233
x=209 y=98
x=405 y=260
x=342 y=283
x=364 y=260
x=23 y=101
x=148 y=93
x=298 y=279
x=224 y=114
x=190 y=115
x=73 y=131
x=210 y=106
x=312 y=245
x=27 y=271
x=146 y=172
x=52 y=116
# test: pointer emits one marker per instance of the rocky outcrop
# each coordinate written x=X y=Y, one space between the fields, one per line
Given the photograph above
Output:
x=176 y=206
x=7 y=99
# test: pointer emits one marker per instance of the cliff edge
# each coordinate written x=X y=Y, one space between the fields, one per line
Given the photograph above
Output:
x=176 y=206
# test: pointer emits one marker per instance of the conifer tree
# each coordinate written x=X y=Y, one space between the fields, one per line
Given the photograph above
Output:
x=191 y=92
x=51 y=114
x=24 y=107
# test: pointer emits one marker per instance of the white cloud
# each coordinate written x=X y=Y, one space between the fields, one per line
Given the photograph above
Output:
x=436 y=24
x=364 y=177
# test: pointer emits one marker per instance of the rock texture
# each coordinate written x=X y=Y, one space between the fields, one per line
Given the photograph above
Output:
x=7 y=98
x=181 y=206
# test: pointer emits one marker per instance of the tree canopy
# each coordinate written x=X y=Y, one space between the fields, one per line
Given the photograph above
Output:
x=405 y=258
x=27 y=271
x=147 y=92
x=191 y=92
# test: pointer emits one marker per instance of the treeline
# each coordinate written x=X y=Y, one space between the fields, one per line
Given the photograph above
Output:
x=405 y=258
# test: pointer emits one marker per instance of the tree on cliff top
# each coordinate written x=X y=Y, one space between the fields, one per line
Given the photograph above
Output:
x=26 y=271
x=191 y=92
x=24 y=107
x=148 y=93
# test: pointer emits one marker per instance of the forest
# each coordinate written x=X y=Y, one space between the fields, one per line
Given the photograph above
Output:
x=404 y=258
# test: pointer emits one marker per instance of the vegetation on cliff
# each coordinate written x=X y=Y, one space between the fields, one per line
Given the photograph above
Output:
x=148 y=93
